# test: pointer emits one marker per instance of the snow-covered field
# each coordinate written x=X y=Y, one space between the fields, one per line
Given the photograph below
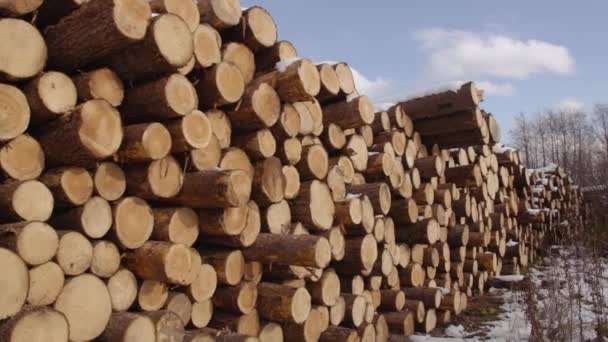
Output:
x=569 y=292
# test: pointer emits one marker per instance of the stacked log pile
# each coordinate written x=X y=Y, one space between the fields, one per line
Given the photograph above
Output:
x=171 y=171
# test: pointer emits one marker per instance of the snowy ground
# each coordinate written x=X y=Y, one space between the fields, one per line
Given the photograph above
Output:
x=569 y=291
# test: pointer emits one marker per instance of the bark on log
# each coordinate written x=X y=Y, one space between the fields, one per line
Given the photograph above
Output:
x=314 y=206
x=298 y=250
x=161 y=261
x=73 y=43
x=127 y=326
x=349 y=114
x=259 y=108
x=281 y=303
x=186 y=10
x=16 y=200
x=70 y=186
x=144 y=143
x=35 y=242
x=76 y=139
x=35 y=323
x=256 y=29
x=239 y=299
x=220 y=14
x=220 y=85
x=50 y=95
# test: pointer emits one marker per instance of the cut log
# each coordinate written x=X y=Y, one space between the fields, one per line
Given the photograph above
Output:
x=176 y=225
x=127 y=327
x=294 y=82
x=207 y=158
x=356 y=150
x=360 y=255
x=74 y=253
x=186 y=10
x=35 y=324
x=93 y=219
x=239 y=299
x=229 y=221
x=260 y=107
x=425 y=231
x=465 y=97
x=276 y=219
x=298 y=250
x=289 y=151
x=207 y=43
x=122 y=287
x=181 y=305
x=221 y=126
x=345 y=76
x=101 y=84
x=269 y=182
x=169 y=97
x=161 y=261
x=309 y=331
x=50 y=95
x=45 y=284
x=192 y=131
x=258 y=145
x=168 y=325
x=144 y=142
x=314 y=206
x=204 y=285
x=152 y=295
x=13 y=286
x=118 y=23
x=161 y=179
x=70 y=186
x=330 y=83
x=355 y=309
x=281 y=303
x=25 y=52
x=219 y=85
x=314 y=164
x=355 y=113
x=109 y=181
x=15 y=8
x=77 y=140
x=16 y=199
x=281 y=51
x=166 y=47
x=339 y=334
x=412 y=275
x=378 y=193
x=35 y=242
x=133 y=222
x=243 y=325
x=106 y=259
x=220 y=14
x=430 y=321
x=429 y=296
x=86 y=304
x=21 y=158
x=229 y=265
x=256 y=29
x=241 y=56
x=16 y=112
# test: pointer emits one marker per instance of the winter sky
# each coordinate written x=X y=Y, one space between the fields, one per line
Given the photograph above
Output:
x=527 y=55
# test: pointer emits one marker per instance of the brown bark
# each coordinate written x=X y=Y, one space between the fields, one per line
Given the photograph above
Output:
x=314 y=206
x=70 y=186
x=281 y=303
x=73 y=43
x=298 y=250
x=259 y=108
x=299 y=81
x=168 y=97
x=349 y=114
x=125 y=326
x=239 y=299
x=186 y=10
x=220 y=14
x=35 y=323
x=161 y=261
x=220 y=85
x=256 y=29
x=16 y=200
x=378 y=193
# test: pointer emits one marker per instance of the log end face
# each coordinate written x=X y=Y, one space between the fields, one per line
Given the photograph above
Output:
x=104 y=84
x=77 y=184
x=37 y=243
x=228 y=12
x=230 y=82
x=369 y=251
x=15 y=116
x=309 y=77
x=42 y=324
x=266 y=104
x=183 y=227
x=156 y=141
x=300 y=305
x=239 y=188
x=318 y=161
x=13 y=285
x=19 y=60
x=165 y=177
x=133 y=222
x=173 y=39
x=322 y=253
x=22 y=158
x=140 y=329
x=247 y=297
x=101 y=128
x=178 y=263
x=86 y=304
x=122 y=287
x=110 y=181
x=235 y=266
x=345 y=76
x=180 y=94
x=329 y=79
x=262 y=26
x=207 y=43
x=33 y=201
x=57 y=91
x=132 y=17
x=187 y=10
x=366 y=109
x=322 y=206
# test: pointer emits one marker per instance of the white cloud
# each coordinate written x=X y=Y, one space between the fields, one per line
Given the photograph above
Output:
x=496 y=89
x=469 y=55
x=377 y=89
x=571 y=104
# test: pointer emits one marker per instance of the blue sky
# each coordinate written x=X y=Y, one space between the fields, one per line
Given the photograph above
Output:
x=529 y=55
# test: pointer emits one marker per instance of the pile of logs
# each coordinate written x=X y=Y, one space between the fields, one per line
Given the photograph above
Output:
x=170 y=171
